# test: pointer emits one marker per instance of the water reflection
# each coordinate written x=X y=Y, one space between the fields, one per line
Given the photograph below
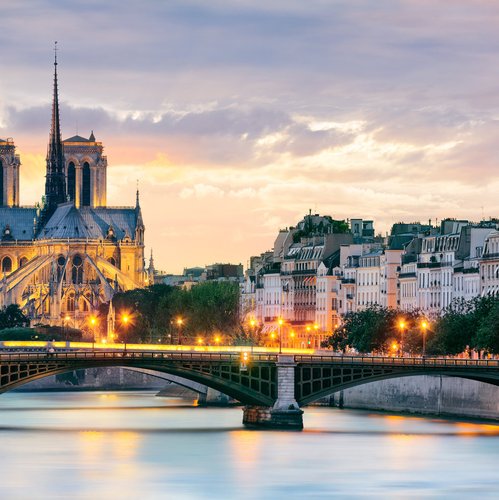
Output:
x=134 y=445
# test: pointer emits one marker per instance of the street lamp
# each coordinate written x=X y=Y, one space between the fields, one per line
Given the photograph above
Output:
x=280 y=321
x=424 y=327
x=316 y=328
x=66 y=319
x=93 y=322
x=402 y=327
x=125 y=319
x=292 y=335
x=252 y=324
x=180 y=322
x=217 y=339
x=309 y=329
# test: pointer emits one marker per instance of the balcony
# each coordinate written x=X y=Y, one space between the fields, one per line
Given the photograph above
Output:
x=306 y=272
x=407 y=275
x=490 y=256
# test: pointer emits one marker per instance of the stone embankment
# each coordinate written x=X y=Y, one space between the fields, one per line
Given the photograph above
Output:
x=432 y=395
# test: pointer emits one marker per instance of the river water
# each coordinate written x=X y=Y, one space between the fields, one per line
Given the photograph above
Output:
x=133 y=445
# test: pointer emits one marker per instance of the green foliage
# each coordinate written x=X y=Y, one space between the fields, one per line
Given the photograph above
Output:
x=12 y=316
x=17 y=334
x=376 y=329
x=205 y=309
x=465 y=325
x=487 y=335
x=458 y=328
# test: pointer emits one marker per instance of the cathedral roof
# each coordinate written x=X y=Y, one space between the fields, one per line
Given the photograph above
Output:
x=20 y=221
x=86 y=222
x=76 y=138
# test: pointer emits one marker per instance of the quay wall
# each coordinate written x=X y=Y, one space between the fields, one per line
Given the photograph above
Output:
x=425 y=394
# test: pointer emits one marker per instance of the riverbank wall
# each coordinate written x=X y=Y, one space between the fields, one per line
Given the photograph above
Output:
x=425 y=394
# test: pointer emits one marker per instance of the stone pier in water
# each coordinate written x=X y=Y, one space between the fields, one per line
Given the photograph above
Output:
x=285 y=413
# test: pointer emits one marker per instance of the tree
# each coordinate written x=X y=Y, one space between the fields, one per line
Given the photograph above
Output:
x=372 y=329
x=456 y=330
x=12 y=316
x=487 y=335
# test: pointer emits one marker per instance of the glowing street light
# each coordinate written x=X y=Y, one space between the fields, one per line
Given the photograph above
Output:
x=424 y=327
x=65 y=323
x=93 y=322
x=125 y=320
x=179 y=322
x=402 y=327
x=280 y=321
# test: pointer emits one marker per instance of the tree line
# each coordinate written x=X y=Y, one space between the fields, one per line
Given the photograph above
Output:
x=463 y=327
x=162 y=313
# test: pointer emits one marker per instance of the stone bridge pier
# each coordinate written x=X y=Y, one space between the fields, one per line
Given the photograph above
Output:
x=285 y=413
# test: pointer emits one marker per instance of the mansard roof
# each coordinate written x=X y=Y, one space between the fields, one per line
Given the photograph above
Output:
x=19 y=220
x=86 y=222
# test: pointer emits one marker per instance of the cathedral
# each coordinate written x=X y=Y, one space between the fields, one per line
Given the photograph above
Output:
x=61 y=260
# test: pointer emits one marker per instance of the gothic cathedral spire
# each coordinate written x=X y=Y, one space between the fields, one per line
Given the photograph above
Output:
x=55 y=181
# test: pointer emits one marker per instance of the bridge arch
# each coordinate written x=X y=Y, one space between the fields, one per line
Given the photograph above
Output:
x=257 y=388
x=320 y=387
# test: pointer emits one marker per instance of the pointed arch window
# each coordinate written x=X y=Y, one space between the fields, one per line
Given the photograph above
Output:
x=77 y=270
x=6 y=265
x=85 y=194
x=23 y=261
x=70 y=303
x=71 y=181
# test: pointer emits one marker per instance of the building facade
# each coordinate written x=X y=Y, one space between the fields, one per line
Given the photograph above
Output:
x=61 y=260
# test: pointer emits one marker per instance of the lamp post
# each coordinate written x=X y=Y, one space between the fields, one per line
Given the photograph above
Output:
x=309 y=329
x=424 y=327
x=180 y=322
x=124 y=320
x=280 y=321
x=66 y=319
x=93 y=322
x=252 y=324
x=292 y=335
x=316 y=329
x=402 y=327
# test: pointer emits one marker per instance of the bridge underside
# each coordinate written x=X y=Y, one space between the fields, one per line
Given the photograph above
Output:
x=313 y=382
x=256 y=386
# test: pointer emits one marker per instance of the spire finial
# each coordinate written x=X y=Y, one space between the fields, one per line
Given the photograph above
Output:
x=55 y=53
x=137 y=202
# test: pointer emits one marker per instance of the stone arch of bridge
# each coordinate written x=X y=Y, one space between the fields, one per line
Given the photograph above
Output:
x=235 y=390
x=324 y=392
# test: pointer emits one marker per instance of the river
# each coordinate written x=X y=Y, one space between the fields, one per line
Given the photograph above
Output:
x=133 y=445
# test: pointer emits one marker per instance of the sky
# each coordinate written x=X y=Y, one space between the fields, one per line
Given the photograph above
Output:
x=238 y=117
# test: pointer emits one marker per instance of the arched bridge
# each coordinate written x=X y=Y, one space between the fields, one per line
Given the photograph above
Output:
x=272 y=386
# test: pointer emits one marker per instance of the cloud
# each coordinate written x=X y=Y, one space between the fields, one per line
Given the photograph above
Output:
x=244 y=115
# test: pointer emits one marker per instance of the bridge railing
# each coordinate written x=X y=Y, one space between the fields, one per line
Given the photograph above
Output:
x=386 y=360
x=101 y=355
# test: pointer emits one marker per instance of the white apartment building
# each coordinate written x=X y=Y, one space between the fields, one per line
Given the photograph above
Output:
x=489 y=266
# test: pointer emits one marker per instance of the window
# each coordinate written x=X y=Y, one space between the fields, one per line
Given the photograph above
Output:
x=77 y=270
x=86 y=185
x=6 y=265
x=71 y=181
